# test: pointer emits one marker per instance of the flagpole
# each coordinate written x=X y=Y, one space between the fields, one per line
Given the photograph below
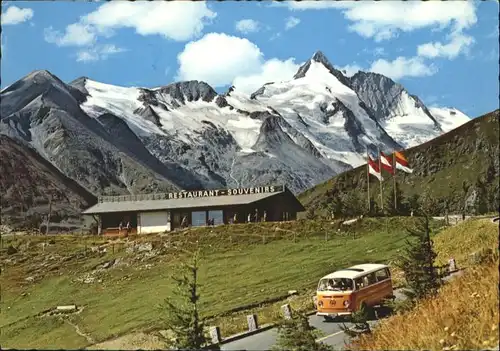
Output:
x=368 y=180
x=380 y=169
x=394 y=178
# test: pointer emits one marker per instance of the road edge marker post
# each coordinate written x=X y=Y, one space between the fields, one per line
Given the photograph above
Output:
x=215 y=335
x=452 y=265
x=287 y=311
x=252 y=322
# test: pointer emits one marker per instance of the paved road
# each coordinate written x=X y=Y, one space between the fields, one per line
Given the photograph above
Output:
x=333 y=335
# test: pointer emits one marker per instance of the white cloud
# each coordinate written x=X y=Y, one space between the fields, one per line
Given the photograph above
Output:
x=220 y=59
x=350 y=70
x=378 y=51
x=176 y=20
x=76 y=34
x=16 y=15
x=100 y=52
x=87 y=56
x=291 y=22
x=217 y=58
x=403 y=67
x=459 y=43
x=179 y=21
x=385 y=20
x=382 y=20
x=273 y=70
x=246 y=26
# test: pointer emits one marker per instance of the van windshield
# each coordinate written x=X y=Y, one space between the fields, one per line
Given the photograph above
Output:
x=335 y=284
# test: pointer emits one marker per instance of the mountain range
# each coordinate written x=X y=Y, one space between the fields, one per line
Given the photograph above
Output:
x=117 y=140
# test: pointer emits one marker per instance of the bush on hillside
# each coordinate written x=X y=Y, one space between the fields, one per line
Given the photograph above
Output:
x=310 y=213
x=391 y=208
x=33 y=221
x=485 y=255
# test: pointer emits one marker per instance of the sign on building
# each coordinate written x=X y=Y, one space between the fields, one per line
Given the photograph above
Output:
x=185 y=194
x=225 y=192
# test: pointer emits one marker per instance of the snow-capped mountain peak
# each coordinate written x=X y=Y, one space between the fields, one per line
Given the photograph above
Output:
x=299 y=132
x=319 y=59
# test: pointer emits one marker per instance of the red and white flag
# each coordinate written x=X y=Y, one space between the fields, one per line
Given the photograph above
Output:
x=374 y=169
x=386 y=163
x=402 y=162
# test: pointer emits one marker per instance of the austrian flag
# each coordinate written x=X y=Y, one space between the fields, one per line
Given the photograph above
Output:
x=374 y=169
x=386 y=164
x=402 y=162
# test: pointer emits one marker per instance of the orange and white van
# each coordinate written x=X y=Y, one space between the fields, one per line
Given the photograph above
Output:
x=343 y=292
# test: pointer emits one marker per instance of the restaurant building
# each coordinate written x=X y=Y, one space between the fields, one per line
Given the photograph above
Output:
x=156 y=213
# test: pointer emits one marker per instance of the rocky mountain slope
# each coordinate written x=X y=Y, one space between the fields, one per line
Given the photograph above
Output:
x=114 y=140
x=459 y=168
x=28 y=181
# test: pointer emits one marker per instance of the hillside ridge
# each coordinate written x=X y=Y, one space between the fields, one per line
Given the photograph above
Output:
x=466 y=156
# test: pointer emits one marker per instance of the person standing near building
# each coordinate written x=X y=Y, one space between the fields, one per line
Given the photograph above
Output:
x=235 y=219
x=256 y=215
x=128 y=227
x=264 y=216
x=120 y=227
x=249 y=217
x=184 y=222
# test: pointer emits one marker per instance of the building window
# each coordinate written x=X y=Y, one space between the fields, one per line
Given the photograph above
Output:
x=217 y=216
x=198 y=218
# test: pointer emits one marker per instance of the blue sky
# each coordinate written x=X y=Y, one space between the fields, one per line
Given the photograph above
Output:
x=444 y=52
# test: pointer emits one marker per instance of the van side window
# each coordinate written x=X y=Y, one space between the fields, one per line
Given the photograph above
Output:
x=372 y=279
x=359 y=283
x=382 y=274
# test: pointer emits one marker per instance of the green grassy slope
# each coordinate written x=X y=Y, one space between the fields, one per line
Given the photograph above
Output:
x=242 y=264
x=467 y=154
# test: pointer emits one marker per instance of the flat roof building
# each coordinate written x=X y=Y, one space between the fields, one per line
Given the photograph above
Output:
x=156 y=213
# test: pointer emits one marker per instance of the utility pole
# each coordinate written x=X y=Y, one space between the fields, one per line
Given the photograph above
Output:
x=48 y=216
x=368 y=181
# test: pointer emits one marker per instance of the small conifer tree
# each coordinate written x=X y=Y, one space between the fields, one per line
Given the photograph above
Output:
x=296 y=334
x=182 y=315
x=418 y=263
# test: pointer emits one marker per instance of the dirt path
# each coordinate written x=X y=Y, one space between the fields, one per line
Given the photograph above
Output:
x=78 y=331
